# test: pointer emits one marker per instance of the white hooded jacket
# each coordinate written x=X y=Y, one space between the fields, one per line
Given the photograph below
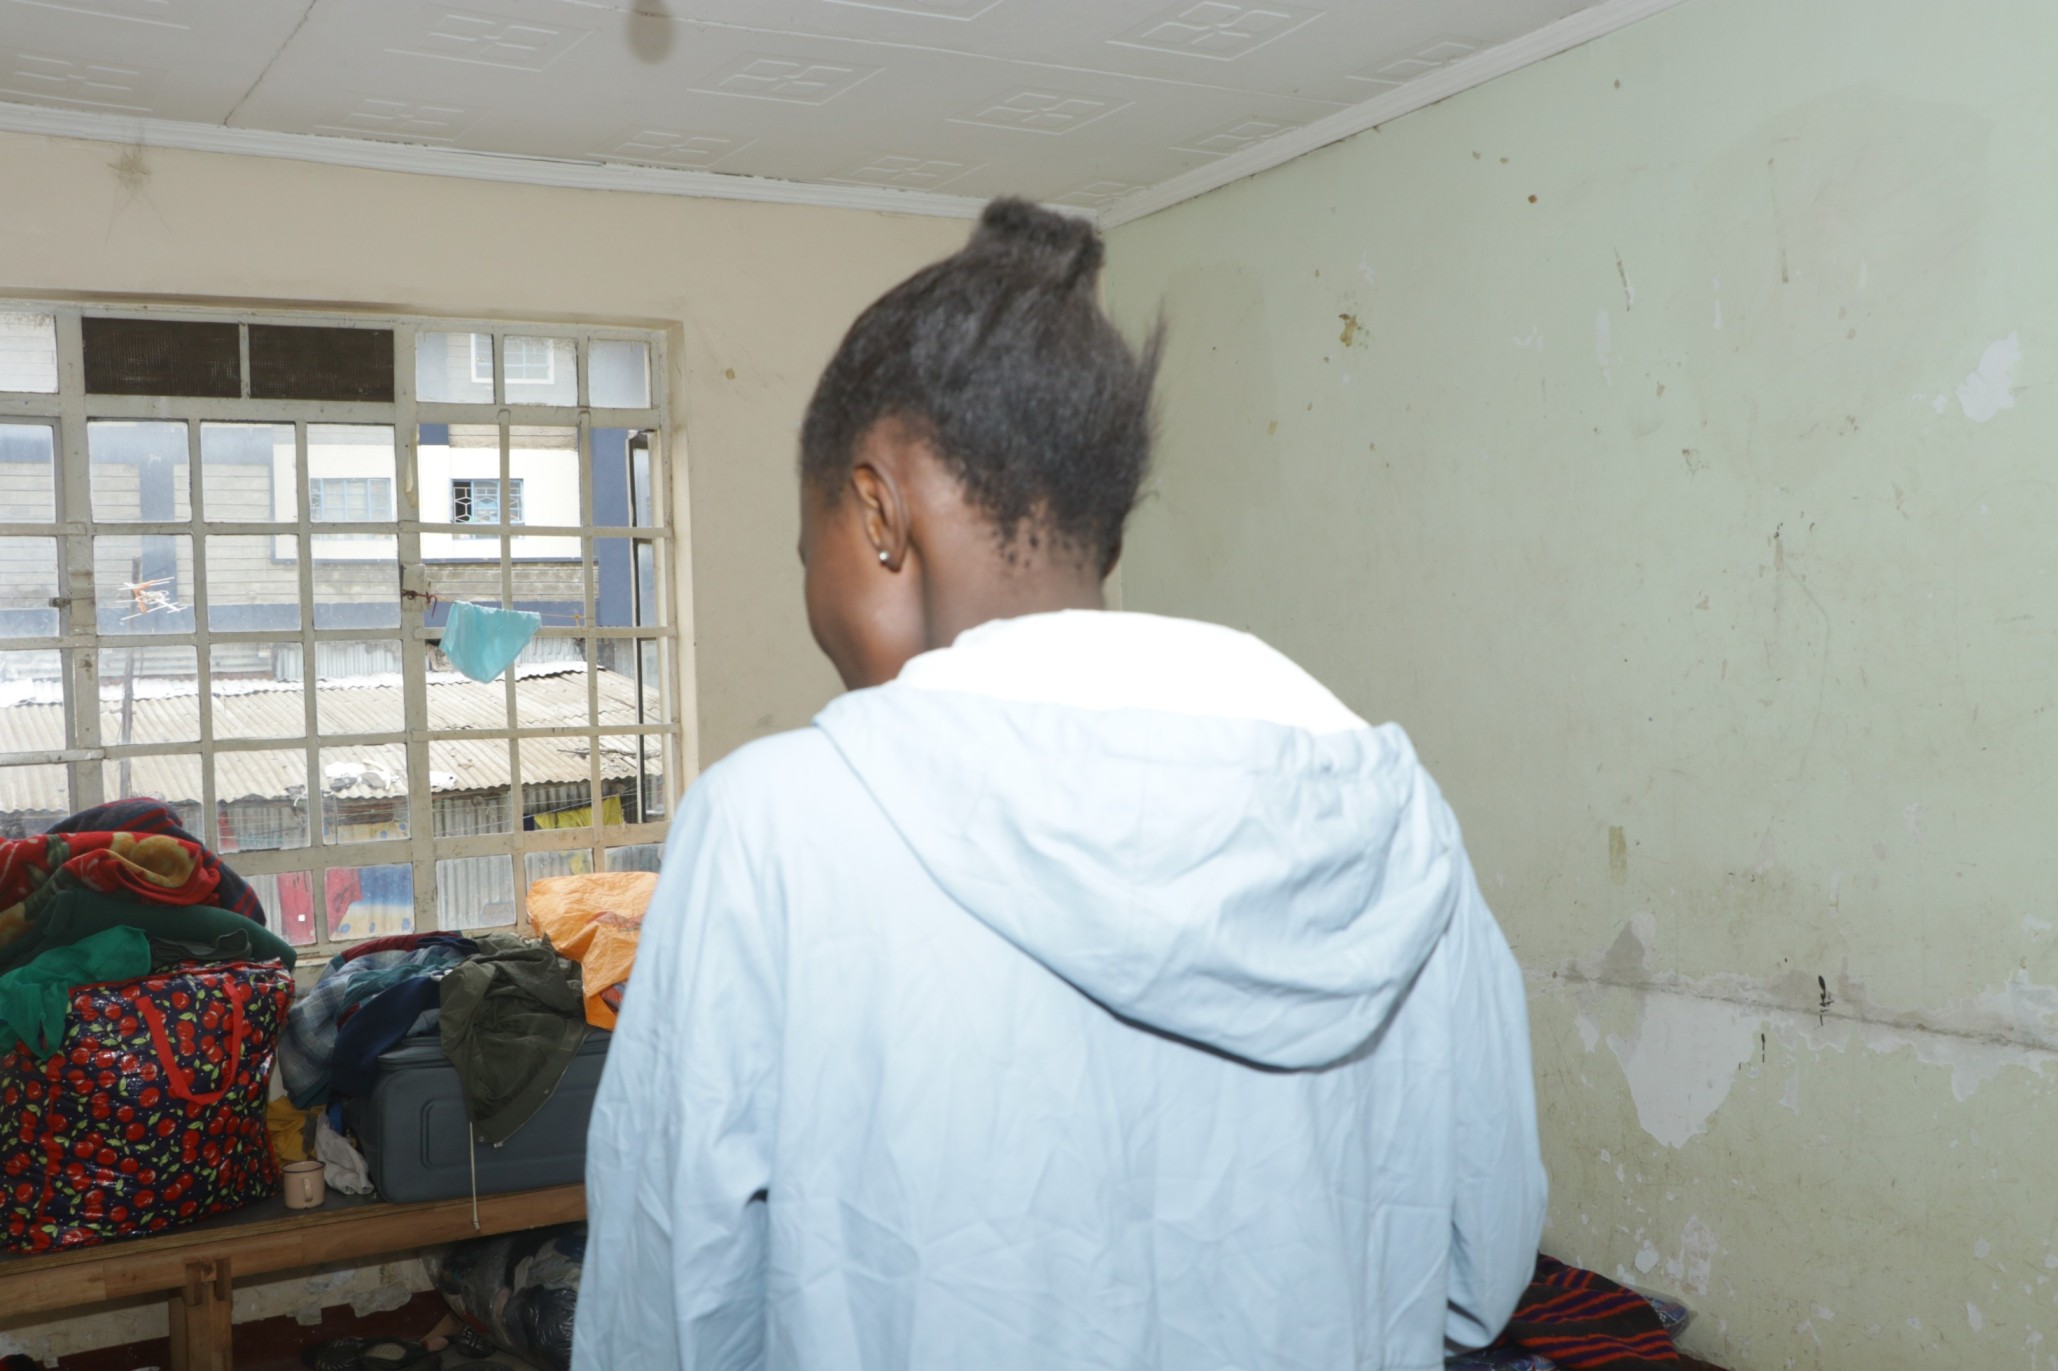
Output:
x=1101 y=993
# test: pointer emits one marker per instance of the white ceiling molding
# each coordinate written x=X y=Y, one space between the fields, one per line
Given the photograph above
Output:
x=415 y=159
x=1440 y=84
x=1441 y=81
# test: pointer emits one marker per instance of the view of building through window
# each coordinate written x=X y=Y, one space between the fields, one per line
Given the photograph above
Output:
x=233 y=604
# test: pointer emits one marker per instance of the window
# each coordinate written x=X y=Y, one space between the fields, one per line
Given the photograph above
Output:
x=531 y=362
x=350 y=499
x=182 y=618
x=482 y=360
x=476 y=500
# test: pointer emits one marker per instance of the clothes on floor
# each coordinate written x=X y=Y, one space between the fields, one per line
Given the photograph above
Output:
x=35 y=998
x=1571 y=1319
x=595 y=919
x=1101 y=993
x=231 y=892
x=513 y=1016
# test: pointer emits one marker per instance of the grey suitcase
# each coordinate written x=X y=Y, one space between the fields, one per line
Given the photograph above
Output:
x=416 y=1137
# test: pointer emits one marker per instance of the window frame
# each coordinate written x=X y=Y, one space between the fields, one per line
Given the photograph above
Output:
x=510 y=514
x=78 y=639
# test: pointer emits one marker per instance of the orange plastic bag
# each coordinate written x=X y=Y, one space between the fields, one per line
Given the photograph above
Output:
x=594 y=919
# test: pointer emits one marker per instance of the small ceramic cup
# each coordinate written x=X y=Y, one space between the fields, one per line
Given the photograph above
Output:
x=304 y=1188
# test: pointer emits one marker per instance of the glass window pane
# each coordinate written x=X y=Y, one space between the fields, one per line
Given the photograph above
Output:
x=541 y=371
x=456 y=701
x=351 y=481
x=139 y=471
x=28 y=469
x=468 y=780
x=31 y=799
x=248 y=473
x=256 y=689
x=364 y=793
x=288 y=904
x=632 y=772
x=172 y=777
x=317 y=362
x=357 y=689
x=28 y=352
x=260 y=799
x=557 y=791
x=454 y=368
x=33 y=678
x=626 y=593
x=253 y=582
x=28 y=583
x=475 y=892
x=636 y=857
x=369 y=901
x=142 y=581
x=618 y=373
x=629 y=684
x=539 y=866
x=149 y=695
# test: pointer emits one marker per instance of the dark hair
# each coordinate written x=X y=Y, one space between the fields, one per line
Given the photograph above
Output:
x=1002 y=358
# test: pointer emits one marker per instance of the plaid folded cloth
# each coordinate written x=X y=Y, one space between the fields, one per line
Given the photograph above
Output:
x=1572 y=1319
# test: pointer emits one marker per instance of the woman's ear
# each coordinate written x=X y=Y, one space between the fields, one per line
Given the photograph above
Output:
x=879 y=480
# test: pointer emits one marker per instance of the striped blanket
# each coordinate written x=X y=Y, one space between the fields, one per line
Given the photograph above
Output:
x=1576 y=1320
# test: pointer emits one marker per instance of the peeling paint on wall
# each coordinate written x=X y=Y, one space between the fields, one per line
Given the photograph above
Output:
x=1991 y=388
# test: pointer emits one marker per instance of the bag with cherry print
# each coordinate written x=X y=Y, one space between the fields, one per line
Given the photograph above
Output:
x=151 y=1115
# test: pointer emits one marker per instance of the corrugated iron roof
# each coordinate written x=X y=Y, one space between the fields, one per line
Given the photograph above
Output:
x=547 y=695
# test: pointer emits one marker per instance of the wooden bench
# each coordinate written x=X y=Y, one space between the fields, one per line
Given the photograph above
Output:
x=193 y=1267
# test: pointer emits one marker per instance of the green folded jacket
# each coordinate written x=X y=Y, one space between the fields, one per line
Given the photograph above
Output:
x=77 y=915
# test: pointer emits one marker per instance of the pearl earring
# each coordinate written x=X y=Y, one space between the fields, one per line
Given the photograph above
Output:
x=883 y=558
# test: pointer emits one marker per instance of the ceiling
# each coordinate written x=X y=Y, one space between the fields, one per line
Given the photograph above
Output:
x=1085 y=103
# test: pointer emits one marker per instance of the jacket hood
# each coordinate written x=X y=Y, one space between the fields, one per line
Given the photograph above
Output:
x=1172 y=817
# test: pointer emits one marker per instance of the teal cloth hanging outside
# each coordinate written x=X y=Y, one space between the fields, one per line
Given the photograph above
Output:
x=483 y=642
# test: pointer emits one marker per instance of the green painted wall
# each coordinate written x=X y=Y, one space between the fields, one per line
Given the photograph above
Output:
x=1666 y=435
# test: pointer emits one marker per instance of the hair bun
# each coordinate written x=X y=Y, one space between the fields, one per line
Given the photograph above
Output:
x=1068 y=248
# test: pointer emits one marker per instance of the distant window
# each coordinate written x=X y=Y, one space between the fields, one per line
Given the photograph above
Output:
x=476 y=500
x=530 y=362
x=482 y=360
x=350 y=499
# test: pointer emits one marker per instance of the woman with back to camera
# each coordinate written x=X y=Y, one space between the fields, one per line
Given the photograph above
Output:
x=1083 y=989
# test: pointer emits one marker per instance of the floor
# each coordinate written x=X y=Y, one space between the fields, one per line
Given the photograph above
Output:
x=275 y=1344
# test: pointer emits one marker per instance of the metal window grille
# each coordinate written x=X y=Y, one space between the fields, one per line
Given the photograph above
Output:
x=181 y=618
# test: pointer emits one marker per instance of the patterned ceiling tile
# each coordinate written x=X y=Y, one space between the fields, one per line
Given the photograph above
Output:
x=1440 y=53
x=1030 y=110
x=796 y=81
x=1216 y=29
x=1235 y=136
x=1096 y=194
x=488 y=41
x=926 y=9
x=668 y=148
x=47 y=78
x=409 y=121
x=905 y=172
x=158 y=13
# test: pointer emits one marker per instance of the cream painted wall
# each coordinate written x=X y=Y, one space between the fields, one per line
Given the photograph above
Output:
x=753 y=297
x=1666 y=435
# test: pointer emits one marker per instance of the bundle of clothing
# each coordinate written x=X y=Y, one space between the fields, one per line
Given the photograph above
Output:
x=1572 y=1319
x=111 y=894
x=141 y=996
